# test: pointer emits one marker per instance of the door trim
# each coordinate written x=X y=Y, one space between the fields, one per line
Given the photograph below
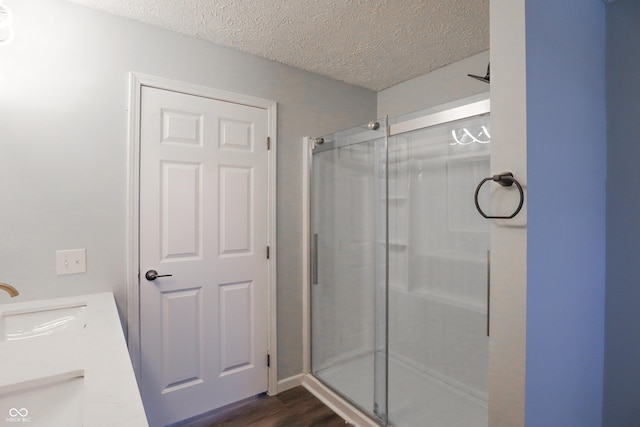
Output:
x=136 y=82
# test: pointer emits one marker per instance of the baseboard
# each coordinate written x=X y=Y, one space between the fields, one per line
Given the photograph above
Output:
x=339 y=405
x=291 y=382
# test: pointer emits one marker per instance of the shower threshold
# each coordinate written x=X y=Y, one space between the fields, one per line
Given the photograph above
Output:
x=416 y=399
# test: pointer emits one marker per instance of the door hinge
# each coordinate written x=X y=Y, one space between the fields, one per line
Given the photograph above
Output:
x=268 y=251
x=268 y=360
x=268 y=143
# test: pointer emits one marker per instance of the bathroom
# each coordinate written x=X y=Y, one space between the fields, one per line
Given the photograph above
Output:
x=63 y=115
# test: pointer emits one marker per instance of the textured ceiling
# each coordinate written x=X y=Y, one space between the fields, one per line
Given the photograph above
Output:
x=370 y=43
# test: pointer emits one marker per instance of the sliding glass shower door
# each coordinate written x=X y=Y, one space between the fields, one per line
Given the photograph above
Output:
x=348 y=290
x=400 y=267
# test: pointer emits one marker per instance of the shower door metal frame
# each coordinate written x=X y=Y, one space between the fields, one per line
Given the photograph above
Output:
x=473 y=109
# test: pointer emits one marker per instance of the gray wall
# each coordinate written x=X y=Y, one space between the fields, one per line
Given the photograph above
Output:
x=622 y=351
x=63 y=145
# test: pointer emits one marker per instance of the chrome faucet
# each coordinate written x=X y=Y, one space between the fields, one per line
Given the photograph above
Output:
x=13 y=292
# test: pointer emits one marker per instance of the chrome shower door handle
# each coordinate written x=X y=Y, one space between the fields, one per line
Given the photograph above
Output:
x=314 y=260
x=488 y=293
x=153 y=275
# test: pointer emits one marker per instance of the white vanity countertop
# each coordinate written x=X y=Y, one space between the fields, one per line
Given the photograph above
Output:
x=111 y=395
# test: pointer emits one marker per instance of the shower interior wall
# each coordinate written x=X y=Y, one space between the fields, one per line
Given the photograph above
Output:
x=437 y=260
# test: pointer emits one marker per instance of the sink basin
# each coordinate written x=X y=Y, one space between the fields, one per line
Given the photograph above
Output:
x=30 y=324
x=56 y=400
x=64 y=362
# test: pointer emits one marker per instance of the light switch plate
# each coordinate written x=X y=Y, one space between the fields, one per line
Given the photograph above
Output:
x=71 y=261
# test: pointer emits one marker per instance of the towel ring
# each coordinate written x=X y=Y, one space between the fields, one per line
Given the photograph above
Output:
x=505 y=179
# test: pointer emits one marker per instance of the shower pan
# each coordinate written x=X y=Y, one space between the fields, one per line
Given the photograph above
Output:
x=399 y=267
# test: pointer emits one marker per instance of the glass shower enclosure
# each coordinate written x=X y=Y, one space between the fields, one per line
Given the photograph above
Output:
x=399 y=286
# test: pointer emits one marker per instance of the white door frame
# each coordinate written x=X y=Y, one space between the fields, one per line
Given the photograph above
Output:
x=136 y=82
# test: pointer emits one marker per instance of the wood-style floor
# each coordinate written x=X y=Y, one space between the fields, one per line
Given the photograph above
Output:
x=293 y=408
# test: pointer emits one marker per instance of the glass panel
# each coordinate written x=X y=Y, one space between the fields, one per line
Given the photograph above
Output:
x=438 y=246
x=348 y=292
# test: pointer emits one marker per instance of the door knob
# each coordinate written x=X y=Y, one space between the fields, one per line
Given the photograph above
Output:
x=153 y=275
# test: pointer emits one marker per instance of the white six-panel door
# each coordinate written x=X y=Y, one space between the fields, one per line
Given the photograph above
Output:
x=203 y=220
